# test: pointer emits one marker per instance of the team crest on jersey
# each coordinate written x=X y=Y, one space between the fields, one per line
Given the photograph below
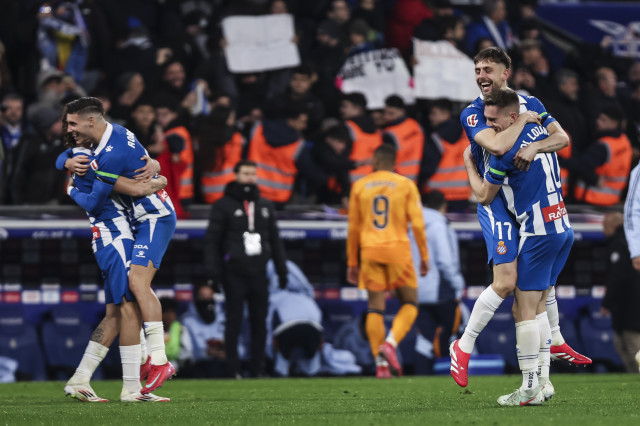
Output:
x=472 y=120
x=502 y=249
x=95 y=231
x=94 y=164
x=162 y=194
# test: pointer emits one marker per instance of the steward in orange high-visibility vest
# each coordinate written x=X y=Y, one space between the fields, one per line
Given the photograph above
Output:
x=603 y=169
x=185 y=191
x=364 y=135
x=275 y=147
x=407 y=137
x=214 y=180
x=445 y=170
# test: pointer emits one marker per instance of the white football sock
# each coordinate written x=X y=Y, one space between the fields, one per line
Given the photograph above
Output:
x=528 y=343
x=130 y=356
x=93 y=356
x=143 y=347
x=155 y=342
x=554 y=318
x=391 y=340
x=544 y=355
x=482 y=312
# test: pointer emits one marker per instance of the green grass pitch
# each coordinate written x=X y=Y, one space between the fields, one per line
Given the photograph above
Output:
x=581 y=399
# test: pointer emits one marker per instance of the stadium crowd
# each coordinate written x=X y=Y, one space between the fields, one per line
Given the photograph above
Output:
x=160 y=69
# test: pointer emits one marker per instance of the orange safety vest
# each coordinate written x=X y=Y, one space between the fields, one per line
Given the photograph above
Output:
x=276 y=166
x=564 y=173
x=214 y=181
x=409 y=140
x=186 y=157
x=451 y=177
x=615 y=173
x=364 y=144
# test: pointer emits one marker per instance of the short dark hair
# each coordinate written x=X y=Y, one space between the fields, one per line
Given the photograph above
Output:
x=503 y=98
x=304 y=69
x=394 y=101
x=243 y=163
x=338 y=132
x=493 y=54
x=356 y=98
x=443 y=104
x=386 y=153
x=434 y=199
x=84 y=105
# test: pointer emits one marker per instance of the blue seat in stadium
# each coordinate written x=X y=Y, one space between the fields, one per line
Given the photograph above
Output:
x=597 y=338
x=499 y=337
x=65 y=338
x=19 y=341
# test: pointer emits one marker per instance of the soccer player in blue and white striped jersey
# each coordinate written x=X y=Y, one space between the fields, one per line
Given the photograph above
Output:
x=534 y=197
x=118 y=153
x=112 y=244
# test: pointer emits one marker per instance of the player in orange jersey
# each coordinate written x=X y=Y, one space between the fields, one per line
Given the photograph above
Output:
x=380 y=208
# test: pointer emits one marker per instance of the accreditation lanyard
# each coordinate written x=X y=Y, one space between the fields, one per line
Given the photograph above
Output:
x=249 y=209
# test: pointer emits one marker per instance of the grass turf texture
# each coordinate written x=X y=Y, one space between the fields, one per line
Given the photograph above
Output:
x=581 y=399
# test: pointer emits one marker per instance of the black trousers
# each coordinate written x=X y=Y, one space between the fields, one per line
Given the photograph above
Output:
x=435 y=322
x=253 y=289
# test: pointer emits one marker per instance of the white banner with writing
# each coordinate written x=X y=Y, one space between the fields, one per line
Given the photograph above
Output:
x=443 y=71
x=260 y=43
x=377 y=75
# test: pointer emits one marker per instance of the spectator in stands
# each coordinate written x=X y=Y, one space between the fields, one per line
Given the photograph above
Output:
x=35 y=179
x=623 y=292
x=406 y=135
x=204 y=322
x=176 y=159
x=371 y=12
x=603 y=169
x=365 y=138
x=605 y=94
x=12 y=127
x=177 y=341
x=279 y=150
x=405 y=16
x=298 y=96
x=430 y=29
x=53 y=87
x=241 y=237
x=332 y=156
x=523 y=81
x=129 y=88
x=63 y=39
x=444 y=166
x=539 y=66
x=340 y=13
x=219 y=150
x=565 y=107
x=492 y=25
x=328 y=56
x=440 y=291
x=6 y=85
x=361 y=38
x=143 y=124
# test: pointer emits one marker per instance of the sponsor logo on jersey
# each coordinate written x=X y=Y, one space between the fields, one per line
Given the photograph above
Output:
x=472 y=120
x=554 y=212
x=94 y=164
x=141 y=246
x=502 y=249
x=95 y=231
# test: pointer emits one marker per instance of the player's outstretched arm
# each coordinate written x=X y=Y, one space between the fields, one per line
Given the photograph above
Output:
x=93 y=201
x=484 y=191
x=498 y=144
x=557 y=140
x=139 y=188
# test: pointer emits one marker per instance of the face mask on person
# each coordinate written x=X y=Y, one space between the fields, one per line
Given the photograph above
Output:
x=206 y=310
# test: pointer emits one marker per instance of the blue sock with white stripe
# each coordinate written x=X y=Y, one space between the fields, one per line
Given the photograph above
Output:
x=528 y=344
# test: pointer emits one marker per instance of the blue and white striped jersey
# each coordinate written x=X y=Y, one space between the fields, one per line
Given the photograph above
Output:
x=535 y=196
x=473 y=122
x=119 y=154
x=112 y=222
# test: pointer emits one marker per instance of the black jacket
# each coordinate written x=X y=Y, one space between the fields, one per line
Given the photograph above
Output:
x=623 y=285
x=224 y=244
